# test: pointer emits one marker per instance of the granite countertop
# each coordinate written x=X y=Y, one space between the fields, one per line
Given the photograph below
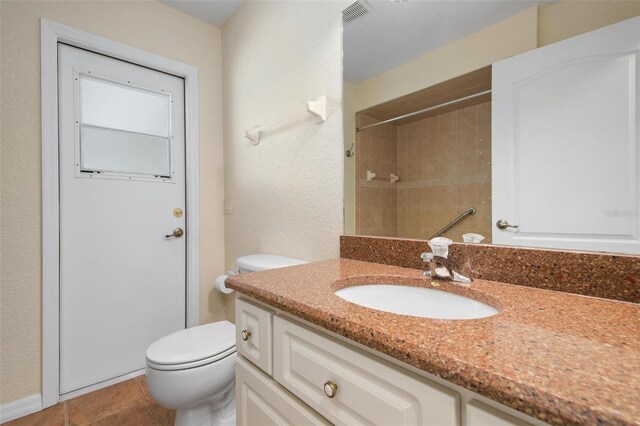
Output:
x=559 y=357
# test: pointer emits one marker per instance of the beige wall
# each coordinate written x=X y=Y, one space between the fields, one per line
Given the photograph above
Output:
x=563 y=19
x=146 y=25
x=287 y=192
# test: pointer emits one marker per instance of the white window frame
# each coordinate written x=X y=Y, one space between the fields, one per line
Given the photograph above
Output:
x=51 y=34
x=145 y=177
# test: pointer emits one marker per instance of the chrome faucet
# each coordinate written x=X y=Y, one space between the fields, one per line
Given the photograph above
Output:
x=439 y=266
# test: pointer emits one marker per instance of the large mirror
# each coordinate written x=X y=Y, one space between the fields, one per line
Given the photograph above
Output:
x=504 y=122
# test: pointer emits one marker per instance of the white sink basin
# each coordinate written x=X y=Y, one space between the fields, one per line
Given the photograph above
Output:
x=416 y=301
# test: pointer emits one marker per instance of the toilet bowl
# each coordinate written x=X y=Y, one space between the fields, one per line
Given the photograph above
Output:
x=193 y=370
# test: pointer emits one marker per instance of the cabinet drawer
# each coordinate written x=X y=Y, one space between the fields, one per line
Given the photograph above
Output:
x=368 y=391
x=261 y=401
x=254 y=334
x=479 y=414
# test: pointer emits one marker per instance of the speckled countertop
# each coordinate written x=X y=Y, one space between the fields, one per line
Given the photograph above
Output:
x=563 y=358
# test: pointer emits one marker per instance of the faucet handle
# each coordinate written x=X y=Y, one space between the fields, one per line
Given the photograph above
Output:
x=426 y=257
x=440 y=246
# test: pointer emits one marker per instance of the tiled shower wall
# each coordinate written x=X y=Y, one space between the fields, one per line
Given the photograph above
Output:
x=444 y=164
x=376 y=204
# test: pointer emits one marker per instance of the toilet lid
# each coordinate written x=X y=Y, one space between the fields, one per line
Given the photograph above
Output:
x=193 y=344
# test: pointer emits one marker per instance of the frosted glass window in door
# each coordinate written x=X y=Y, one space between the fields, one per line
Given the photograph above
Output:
x=123 y=129
x=116 y=106
x=117 y=151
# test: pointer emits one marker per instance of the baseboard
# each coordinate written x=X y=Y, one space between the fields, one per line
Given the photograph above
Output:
x=20 y=408
x=103 y=384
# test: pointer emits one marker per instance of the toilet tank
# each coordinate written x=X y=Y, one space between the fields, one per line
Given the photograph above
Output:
x=262 y=262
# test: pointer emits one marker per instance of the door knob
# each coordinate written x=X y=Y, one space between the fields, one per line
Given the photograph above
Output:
x=245 y=335
x=503 y=224
x=177 y=233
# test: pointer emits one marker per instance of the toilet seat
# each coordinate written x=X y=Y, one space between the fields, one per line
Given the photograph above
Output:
x=194 y=364
x=193 y=347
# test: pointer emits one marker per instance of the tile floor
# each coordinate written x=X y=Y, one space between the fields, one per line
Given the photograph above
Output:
x=125 y=403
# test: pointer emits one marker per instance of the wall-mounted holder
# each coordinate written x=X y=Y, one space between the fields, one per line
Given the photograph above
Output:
x=317 y=108
x=253 y=134
x=372 y=176
x=351 y=151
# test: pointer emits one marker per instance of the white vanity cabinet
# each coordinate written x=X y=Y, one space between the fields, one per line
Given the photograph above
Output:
x=479 y=414
x=262 y=402
x=311 y=377
x=348 y=387
x=253 y=334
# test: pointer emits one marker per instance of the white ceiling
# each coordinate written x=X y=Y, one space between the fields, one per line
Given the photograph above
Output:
x=397 y=32
x=394 y=33
x=215 y=12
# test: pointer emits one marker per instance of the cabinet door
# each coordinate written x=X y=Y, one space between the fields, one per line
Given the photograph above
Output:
x=479 y=414
x=261 y=401
x=254 y=334
x=348 y=387
x=565 y=147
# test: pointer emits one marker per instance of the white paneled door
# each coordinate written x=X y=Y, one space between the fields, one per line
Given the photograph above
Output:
x=565 y=148
x=122 y=228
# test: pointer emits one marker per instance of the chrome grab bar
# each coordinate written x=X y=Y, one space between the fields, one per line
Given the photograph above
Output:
x=451 y=224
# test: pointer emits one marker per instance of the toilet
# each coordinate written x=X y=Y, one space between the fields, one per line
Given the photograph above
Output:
x=193 y=370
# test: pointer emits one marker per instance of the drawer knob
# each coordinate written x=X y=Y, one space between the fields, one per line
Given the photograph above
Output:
x=330 y=388
x=245 y=335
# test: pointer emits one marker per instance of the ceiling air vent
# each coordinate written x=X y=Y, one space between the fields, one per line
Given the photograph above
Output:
x=355 y=11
